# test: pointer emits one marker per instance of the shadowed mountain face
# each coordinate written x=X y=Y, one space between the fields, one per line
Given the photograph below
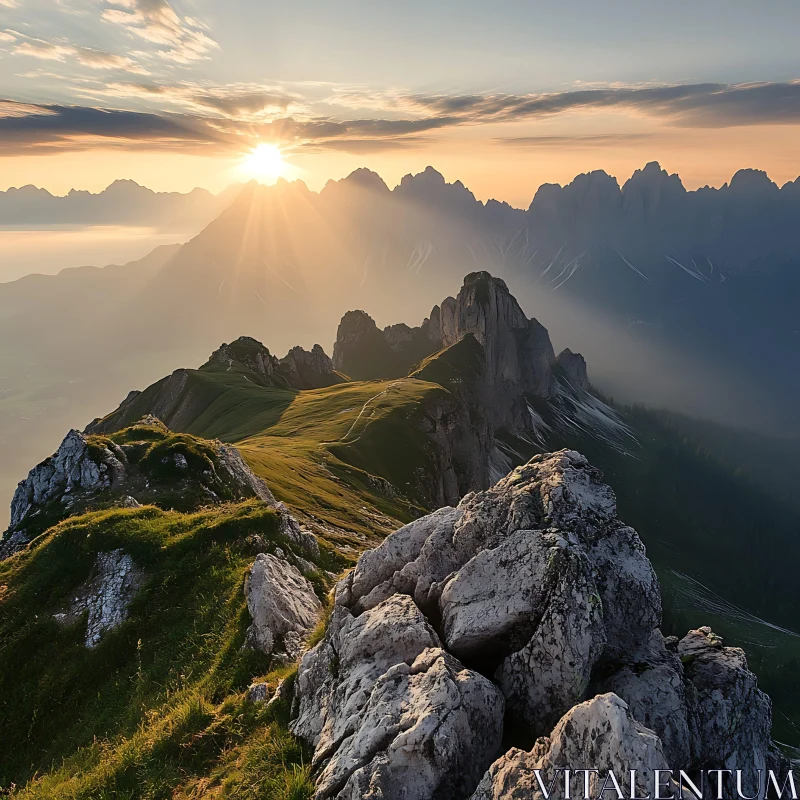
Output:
x=685 y=299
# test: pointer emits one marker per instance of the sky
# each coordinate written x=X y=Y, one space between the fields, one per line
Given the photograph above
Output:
x=503 y=96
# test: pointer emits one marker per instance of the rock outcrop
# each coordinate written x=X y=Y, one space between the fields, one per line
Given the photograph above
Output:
x=519 y=576
x=60 y=484
x=144 y=463
x=600 y=734
x=501 y=370
x=363 y=351
x=535 y=591
x=105 y=597
x=519 y=355
x=282 y=605
x=732 y=717
x=573 y=368
x=298 y=369
x=390 y=713
x=308 y=370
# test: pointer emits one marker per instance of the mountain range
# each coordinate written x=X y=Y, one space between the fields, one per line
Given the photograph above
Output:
x=654 y=284
x=124 y=202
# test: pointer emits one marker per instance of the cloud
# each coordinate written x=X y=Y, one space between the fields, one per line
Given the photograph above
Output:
x=179 y=39
x=573 y=141
x=234 y=118
x=44 y=50
x=712 y=105
x=9 y=4
x=87 y=56
x=52 y=128
x=99 y=59
x=360 y=146
x=6 y=36
x=243 y=102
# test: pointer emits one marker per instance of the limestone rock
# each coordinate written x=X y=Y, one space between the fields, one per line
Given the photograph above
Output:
x=257 y=692
x=248 y=352
x=87 y=472
x=360 y=350
x=71 y=468
x=536 y=578
x=732 y=716
x=600 y=734
x=518 y=352
x=298 y=369
x=231 y=462
x=573 y=367
x=114 y=582
x=308 y=370
x=537 y=584
x=651 y=682
x=283 y=607
x=390 y=714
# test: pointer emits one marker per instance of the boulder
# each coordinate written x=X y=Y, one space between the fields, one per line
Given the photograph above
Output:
x=389 y=713
x=600 y=734
x=651 y=682
x=534 y=581
x=538 y=586
x=731 y=717
x=283 y=606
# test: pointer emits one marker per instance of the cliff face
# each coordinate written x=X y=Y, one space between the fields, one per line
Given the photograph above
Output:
x=364 y=352
x=529 y=607
x=509 y=390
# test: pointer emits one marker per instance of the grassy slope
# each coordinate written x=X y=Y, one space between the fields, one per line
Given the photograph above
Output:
x=316 y=448
x=164 y=715
x=169 y=712
x=157 y=709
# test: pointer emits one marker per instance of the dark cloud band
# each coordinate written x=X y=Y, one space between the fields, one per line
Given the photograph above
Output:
x=24 y=126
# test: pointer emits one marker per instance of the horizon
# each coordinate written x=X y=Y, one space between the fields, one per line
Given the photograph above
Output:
x=449 y=180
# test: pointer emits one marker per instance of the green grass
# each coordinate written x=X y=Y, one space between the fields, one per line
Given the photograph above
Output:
x=156 y=710
x=317 y=449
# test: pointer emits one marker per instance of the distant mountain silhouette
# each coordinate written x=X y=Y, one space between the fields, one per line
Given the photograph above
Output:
x=124 y=202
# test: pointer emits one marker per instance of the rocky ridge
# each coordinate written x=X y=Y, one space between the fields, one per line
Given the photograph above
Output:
x=144 y=463
x=499 y=365
x=298 y=369
x=542 y=609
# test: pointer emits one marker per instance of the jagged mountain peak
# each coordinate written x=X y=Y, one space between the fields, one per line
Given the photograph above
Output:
x=429 y=176
x=653 y=174
x=752 y=182
x=430 y=187
x=364 y=178
x=298 y=369
x=247 y=351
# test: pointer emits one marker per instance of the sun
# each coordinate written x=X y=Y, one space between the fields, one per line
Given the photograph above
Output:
x=265 y=162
